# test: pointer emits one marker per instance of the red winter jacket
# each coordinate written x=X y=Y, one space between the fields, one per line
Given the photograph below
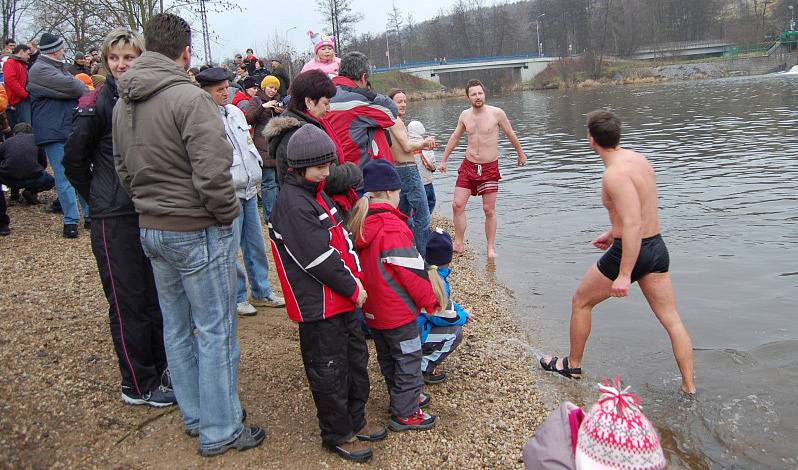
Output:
x=394 y=273
x=360 y=118
x=239 y=97
x=15 y=76
x=315 y=258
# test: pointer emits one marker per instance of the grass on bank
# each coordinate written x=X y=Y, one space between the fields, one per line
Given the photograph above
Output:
x=414 y=87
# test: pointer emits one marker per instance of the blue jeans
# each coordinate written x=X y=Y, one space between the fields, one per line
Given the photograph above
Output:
x=66 y=193
x=413 y=203
x=430 y=190
x=248 y=234
x=20 y=113
x=268 y=191
x=41 y=182
x=195 y=277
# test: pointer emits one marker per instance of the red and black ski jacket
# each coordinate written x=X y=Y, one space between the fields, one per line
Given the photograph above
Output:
x=315 y=258
x=394 y=273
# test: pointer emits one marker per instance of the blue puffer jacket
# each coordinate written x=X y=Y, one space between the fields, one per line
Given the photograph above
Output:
x=427 y=322
x=54 y=94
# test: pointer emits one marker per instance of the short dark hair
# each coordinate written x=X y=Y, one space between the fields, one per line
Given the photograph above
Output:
x=167 y=34
x=9 y=41
x=353 y=65
x=472 y=83
x=395 y=91
x=313 y=84
x=20 y=47
x=605 y=128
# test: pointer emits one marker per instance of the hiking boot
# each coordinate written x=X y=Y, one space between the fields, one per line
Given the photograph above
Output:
x=419 y=421
x=30 y=197
x=372 y=432
x=4 y=231
x=250 y=437
x=273 y=301
x=195 y=432
x=245 y=309
x=434 y=377
x=159 y=397
x=70 y=231
x=353 y=450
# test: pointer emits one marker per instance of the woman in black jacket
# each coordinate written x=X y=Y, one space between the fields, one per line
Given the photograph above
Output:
x=125 y=272
x=310 y=100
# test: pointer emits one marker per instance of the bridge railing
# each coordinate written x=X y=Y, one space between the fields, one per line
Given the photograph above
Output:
x=455 y=61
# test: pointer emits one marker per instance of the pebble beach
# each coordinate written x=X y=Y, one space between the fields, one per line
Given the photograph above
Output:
x=60 y=402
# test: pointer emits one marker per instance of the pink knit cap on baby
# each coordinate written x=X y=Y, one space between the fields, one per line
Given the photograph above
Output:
x=616 y=434
x=320 y=40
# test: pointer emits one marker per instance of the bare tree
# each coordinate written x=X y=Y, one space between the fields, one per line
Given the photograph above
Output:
x=394 y=28
x=340 y=18
x=12 y=11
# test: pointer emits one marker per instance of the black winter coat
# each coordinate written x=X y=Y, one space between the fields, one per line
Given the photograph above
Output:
x=88 y=155
x=21 y=158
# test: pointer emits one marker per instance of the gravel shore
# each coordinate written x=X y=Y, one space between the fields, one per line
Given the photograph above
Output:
x=59 y=384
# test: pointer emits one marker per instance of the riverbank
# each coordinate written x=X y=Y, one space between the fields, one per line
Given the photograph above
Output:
x=416 y=89
x=60 y=395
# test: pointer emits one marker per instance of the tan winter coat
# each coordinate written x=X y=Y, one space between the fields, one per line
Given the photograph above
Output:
x=170 y=149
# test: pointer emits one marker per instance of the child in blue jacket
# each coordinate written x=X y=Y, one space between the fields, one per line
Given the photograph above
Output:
x=440 y=333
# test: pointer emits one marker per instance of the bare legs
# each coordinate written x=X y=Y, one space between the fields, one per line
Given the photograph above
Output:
x=459 y=203
x=595 y=288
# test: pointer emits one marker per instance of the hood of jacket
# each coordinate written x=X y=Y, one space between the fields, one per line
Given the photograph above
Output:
x=152 y=73
x=289 y=121
x=239 y=97
x=381 y=215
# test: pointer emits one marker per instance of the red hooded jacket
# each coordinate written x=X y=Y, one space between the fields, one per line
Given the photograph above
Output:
x=394 y=273
x=15 y=75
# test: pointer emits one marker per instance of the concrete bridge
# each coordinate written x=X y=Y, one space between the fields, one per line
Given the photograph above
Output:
x=682 y=49
x=523 y=68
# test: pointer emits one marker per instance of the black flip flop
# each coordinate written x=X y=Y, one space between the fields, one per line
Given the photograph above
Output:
x=566 y=371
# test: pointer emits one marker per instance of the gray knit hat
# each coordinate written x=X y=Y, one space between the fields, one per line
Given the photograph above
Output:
x=310 y=146
x=50 y=43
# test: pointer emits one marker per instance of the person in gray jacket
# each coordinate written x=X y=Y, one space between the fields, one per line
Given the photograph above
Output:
x=54 y=94
x=173 y=157
x=246 y=173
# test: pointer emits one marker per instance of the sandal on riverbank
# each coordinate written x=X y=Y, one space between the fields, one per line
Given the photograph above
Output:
x=570 y=372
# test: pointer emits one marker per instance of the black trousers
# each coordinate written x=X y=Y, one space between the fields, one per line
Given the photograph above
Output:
x=134 y=312
x=399 y=355
x=4 y=220
x=336 y=358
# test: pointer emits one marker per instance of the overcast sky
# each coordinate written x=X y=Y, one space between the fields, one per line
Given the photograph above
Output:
x=262 y=19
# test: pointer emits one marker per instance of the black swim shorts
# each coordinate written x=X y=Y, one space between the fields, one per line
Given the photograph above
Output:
x=653 y=258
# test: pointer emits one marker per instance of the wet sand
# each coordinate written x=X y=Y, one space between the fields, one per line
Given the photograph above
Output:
x=60 y=401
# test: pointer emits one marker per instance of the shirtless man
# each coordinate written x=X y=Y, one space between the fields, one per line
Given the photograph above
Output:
x=635 y=252
x=479 y=173
x=413 y=198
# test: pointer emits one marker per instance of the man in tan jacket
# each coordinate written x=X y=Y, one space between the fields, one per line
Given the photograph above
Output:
x=173 y=157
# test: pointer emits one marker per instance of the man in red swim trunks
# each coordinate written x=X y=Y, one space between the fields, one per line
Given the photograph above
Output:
x=479 y=173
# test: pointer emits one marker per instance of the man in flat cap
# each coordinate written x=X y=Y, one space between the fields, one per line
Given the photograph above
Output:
x=246 y=174
x=173 y=157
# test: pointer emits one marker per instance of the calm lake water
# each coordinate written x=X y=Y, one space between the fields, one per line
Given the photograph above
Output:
x=726 y=157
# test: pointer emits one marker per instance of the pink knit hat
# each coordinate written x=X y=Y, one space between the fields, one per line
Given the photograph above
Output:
x=320 y=40
x=616 y=434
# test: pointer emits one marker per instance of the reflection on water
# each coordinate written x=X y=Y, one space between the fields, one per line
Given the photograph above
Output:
x=726 y=156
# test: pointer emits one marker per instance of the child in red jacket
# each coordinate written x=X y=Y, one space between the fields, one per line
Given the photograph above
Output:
x=399 y=287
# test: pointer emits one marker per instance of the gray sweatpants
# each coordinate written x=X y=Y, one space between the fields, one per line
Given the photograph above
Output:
x=441 y=341
x=399 y=355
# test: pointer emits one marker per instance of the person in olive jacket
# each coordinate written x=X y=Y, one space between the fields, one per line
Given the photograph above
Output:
x=125 y=272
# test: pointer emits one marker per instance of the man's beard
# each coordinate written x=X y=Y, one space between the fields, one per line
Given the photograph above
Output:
x=478 y=104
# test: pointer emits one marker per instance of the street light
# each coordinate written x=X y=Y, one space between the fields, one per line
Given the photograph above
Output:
x=792 y=17
x=537 y=24
x=288 y=49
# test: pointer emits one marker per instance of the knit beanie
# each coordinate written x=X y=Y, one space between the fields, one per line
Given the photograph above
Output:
x=97 y=80
x=439 y=248
x=616 y=435
x=310 y=146
x=320 y=40
x=50 y=43
x=270 y=80
x=380 y=175
x=416 y=130
x=250 y=82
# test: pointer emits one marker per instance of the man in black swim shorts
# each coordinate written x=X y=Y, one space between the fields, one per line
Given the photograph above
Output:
x=635 y=252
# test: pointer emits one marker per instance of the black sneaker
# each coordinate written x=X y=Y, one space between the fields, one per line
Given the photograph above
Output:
x=250 y=437
x=195 y=432
x=87 y=224
x=30 y=197
x=4 y=231
x=55 y=207
x=70 y=231
x=158 y=398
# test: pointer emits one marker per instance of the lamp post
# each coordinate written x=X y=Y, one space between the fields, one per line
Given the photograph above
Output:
x=792 y=17
x=288 y=49
x=537 y=25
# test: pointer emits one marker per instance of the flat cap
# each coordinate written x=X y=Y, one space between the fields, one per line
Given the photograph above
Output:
x=211 y=76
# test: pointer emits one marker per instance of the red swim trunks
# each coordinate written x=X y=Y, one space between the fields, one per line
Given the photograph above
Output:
x=480 y=179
